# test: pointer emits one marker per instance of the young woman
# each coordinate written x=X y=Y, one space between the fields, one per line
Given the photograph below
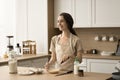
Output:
x=66 y=46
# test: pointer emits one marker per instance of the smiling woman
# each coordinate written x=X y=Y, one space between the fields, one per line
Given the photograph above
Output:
x=7 y=22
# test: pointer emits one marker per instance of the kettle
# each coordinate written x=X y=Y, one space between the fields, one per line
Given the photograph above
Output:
x=93 y=51
x=118 y=48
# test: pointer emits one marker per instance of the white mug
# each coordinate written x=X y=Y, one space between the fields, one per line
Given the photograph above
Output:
x=104 y=38
x=112 y=39
x=97 y=38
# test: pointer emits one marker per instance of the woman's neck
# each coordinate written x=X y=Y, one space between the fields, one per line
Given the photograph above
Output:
x=65 y=34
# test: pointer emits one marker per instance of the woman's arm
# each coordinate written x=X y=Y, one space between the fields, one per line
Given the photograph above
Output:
x=51 y=61
x=79 y=50
x=79 y=56
x=53 y=58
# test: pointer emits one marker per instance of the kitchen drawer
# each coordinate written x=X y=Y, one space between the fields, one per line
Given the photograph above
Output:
x=84 y=68
x=39 y=62
x=101 y=65
x=25 y=63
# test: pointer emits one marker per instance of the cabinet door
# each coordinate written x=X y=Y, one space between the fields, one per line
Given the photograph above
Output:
x=106 y=13
x=37 y=23
x=82 y=13
x=101 y=66
x=62 y=6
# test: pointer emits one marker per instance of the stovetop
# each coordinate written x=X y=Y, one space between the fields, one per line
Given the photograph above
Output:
x=110 y=78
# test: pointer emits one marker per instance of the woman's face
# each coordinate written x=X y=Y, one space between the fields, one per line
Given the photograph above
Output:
x=61 y=23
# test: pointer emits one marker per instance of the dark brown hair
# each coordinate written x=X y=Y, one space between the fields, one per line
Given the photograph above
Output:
x=69 y=20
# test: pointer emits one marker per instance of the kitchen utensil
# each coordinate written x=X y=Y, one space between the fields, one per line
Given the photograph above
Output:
x=63 y=73
x=53 y=71
x=118 y=48
x=116 y=75
x=105 y=38
x=105 y=53
x=110 y=78
x=93 y=51
x=80 y=73
x=26 y=73
x=117 y=69
x=65 y=60
x=112 y=39
x=97 y=38
x=36 y=70
x=10 y=43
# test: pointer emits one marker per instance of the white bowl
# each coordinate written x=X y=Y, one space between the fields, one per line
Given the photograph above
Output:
x=104 y=53
x=53 y=71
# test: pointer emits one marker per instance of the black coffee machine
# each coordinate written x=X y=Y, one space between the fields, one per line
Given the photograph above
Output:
x=9 y=46
x=118 y=49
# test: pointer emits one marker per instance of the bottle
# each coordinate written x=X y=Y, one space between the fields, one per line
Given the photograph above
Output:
x=76 y=66
x=12 y=63
x=18 y=49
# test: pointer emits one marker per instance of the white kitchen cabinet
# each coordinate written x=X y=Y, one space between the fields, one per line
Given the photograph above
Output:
x=82 y=13
x=106 y=13
x=31 y=19
x=83 y=65
x=62 y=6
x=101 y=65
x=79 y=9
x=90 y=13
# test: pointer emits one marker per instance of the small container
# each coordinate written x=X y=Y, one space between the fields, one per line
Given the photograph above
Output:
x=18 y=49
x=80 y=73
x=29 y=47
x=112 y=39
x=105 y=38
x=97 y=38
x=93 y=51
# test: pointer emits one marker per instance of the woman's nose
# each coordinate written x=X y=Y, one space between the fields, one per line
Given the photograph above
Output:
x=58 y=23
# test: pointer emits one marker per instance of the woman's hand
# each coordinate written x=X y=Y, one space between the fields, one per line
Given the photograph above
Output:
x=47 y=66
x=64 y=58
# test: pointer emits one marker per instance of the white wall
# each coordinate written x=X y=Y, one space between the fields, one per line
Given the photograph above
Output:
x=7 y=23
x=32 y=22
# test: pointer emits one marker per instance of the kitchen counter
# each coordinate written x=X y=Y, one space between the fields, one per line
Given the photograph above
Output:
x=98 y=56
x=88 y=56
x=4 y=75
x=24 y=57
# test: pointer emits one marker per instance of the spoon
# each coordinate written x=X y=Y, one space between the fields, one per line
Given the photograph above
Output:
x=117 y=69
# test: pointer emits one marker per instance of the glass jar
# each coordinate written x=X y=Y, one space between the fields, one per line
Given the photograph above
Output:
x=12 y=63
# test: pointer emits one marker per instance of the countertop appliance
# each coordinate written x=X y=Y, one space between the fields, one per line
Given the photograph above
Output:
x=118 y=49
x=10 y=43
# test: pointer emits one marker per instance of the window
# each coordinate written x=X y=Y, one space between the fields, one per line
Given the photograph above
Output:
x=7 y=22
